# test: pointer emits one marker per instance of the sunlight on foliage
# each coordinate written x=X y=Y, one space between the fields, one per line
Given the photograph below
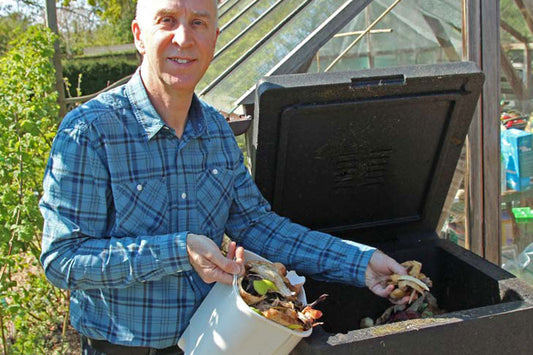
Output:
x=29 y=116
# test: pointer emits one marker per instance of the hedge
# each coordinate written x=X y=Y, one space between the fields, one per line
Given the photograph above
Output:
x=97 y=73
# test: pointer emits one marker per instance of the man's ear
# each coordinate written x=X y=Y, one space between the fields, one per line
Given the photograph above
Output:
x=136 y=30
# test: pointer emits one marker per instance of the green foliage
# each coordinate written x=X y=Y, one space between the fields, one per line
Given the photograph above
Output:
x=89 y=31
x=110 y=33
x=28 y=117
x=114 y=9
x=510 y=13
x=98 y=73
x=11 y=26
x=36 y=308
x=28 y=114
x=118 y=12
x=80 y=26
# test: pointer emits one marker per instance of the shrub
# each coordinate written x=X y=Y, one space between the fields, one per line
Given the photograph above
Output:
x=29 y=118
x=97 y=73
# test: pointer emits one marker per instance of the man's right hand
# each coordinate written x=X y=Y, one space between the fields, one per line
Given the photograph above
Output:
x=207 y=260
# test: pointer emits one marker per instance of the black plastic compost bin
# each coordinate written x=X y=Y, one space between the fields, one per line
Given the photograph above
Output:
x=369 y=156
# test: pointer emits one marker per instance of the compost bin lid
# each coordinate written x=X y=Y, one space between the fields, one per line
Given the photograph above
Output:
x=363 y=149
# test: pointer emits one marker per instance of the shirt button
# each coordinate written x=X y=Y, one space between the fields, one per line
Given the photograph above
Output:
x=184 y=195
x=215 y=171
x=139 y=187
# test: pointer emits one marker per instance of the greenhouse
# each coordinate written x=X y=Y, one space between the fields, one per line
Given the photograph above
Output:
x=382 y=150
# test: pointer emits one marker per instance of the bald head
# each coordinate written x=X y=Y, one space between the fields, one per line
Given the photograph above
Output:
x=177 y=40
x=142 y=9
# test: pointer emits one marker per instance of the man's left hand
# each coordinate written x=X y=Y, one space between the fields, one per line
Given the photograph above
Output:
x=378 y=272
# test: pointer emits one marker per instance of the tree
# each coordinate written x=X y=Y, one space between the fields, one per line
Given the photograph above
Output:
x=119 y=13
x=13 y=22
x=9 y=26
x=82 y=23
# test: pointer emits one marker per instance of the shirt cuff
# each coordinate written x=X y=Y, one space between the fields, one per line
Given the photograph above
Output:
x=357 y=259
x=175 y=258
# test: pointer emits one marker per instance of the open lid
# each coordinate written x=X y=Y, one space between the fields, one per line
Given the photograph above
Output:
x=363 y=149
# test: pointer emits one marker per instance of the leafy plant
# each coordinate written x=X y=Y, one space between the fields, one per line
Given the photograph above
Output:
x=98 y=73
x=119 y=12
x=10 y=26
x=29 y=118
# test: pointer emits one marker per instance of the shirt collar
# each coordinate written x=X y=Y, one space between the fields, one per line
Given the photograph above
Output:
x=196 y=120
x=150 y=120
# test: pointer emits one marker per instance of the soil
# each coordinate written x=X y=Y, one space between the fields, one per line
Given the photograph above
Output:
x=67 y=345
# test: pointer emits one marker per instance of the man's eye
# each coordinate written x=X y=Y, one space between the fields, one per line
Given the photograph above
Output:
x=198 y=22
x=166 y=19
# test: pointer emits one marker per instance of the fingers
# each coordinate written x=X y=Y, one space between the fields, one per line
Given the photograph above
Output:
x=231 y=250
x=225 y=264
x=226 y=267
x=239 y=259
x=234 y=267
x=222 y=277
x=378 y=273
x=403 y=300
x=236 y=254
x=387 y=264
x=396 y=268
x=382 y=290
x=210 y=264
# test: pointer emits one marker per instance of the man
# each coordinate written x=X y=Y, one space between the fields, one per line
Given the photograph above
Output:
x=142 y=183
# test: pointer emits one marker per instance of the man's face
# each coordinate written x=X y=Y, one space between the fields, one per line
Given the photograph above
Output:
x=177 y=40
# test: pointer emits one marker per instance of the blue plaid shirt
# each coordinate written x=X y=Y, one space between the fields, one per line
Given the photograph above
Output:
x=121 y=192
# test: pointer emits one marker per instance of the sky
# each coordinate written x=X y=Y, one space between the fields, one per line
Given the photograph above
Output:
x=37 y=16
x=8 y=2
x=14 y=3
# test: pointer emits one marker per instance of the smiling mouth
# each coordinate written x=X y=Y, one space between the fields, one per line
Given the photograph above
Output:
x=181 y=60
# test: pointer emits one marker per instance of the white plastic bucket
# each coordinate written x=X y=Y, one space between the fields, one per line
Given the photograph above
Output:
x=224 y=323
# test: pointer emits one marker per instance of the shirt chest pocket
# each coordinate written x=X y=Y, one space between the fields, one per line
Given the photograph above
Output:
x=141 y=207
x=214 y=192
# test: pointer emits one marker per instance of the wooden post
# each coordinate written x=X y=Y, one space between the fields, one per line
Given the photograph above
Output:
x=483 y=197
x=525 y=13
x=51 y=20
x=369 y=39
x=442 y=38
x=514 y=80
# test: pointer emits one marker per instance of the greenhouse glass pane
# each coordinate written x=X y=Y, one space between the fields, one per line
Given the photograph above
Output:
x=225 y=7
x=244 y=20
x=227 y=16
x=414 y=32
x=247 y=41
x=245 y=76
x=516 y=117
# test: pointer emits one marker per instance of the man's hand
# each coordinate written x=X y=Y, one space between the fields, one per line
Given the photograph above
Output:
x=378 y=274
x=207 y=260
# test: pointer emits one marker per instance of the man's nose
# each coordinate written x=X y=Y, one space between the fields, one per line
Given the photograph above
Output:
x=182 y=35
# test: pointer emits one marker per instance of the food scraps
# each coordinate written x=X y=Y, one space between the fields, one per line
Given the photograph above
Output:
x=421 y=303
x=414 y=284
x=266 y=289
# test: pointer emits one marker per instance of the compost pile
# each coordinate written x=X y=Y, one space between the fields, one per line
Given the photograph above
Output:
x=421 y=303
x=266 y=289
